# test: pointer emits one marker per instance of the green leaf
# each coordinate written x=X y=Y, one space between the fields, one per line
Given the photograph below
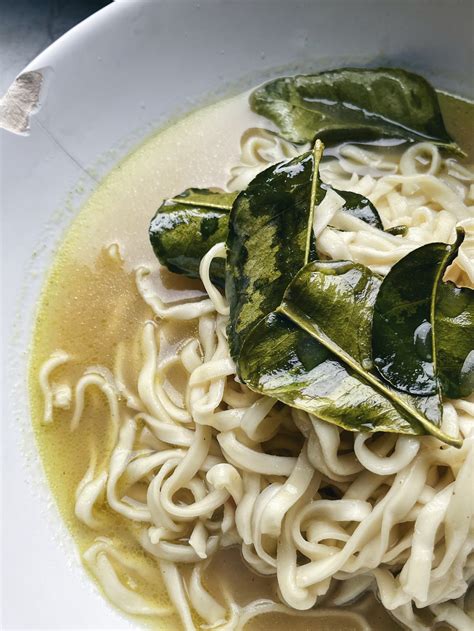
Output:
x=313 y=352
x=454 y=332
x=404 y=347
x=398 y=231
x=270 y=239
x=358 y=206
x=281 y=360
x=336 y=298
x=185 y=227
x=353 y=104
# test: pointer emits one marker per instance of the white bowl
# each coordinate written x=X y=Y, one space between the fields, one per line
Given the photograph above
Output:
x=106 y=85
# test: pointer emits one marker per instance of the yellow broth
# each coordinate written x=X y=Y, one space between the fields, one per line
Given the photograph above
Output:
x=91 y=309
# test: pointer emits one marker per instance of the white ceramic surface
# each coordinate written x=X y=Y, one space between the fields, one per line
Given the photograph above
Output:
x=107 y=84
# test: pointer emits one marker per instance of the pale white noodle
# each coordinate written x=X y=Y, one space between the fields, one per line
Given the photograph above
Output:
x=217 y=251
x=50 y=394
x=259 y=149
x=99 y=560
x=182 y=311
x=428 y=194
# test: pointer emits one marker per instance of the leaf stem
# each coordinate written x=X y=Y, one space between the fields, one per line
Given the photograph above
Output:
x=317 y=153
x=193 y=202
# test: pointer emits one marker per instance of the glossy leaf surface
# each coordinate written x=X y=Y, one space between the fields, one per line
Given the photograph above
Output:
x=314 y=353
x=353 y=104
x=270 y=239
x=185 y=227
x=403 y=344
x=454 y=327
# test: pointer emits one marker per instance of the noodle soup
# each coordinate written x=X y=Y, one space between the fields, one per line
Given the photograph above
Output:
x=198 y=501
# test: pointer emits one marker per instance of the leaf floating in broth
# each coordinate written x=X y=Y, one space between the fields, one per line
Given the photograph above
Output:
x=270 y=239
x=314 y=352
x=185 y=227
x=354 y=104
x=403 y=343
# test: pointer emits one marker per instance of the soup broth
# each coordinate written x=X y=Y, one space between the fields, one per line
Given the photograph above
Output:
x=91 y=310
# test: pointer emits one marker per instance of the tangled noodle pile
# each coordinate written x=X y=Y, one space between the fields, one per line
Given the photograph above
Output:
x=212 y=464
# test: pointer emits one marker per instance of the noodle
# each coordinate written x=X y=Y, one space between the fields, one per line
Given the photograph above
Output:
x=50 y=393
x=221 y=465
x=430 y=202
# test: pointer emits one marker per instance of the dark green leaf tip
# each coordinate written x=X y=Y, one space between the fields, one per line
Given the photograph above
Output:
x=416 y=343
